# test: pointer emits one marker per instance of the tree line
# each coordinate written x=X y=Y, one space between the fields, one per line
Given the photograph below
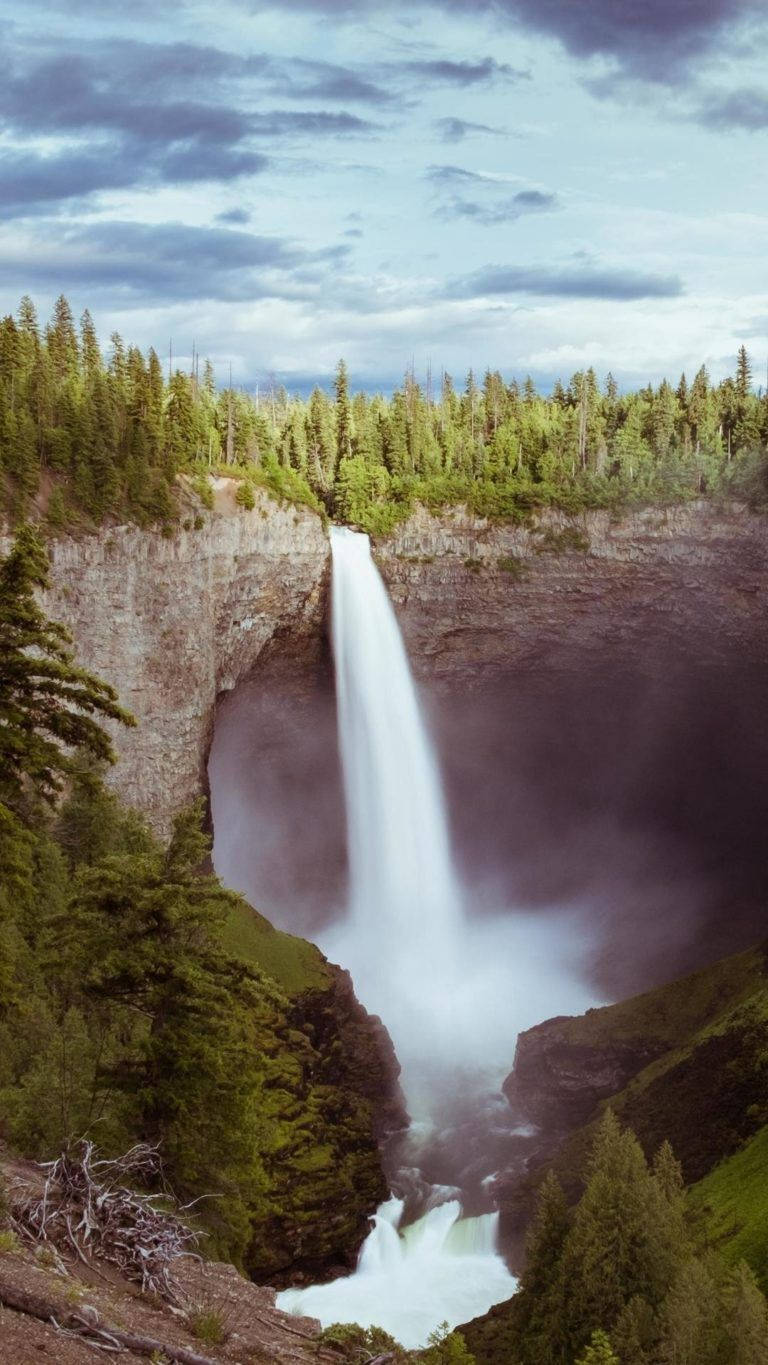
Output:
x=84 y=437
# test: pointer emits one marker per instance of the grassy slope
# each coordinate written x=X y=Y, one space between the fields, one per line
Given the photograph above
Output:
x=293 y=963
x=733 y=1202
x=676 y=1012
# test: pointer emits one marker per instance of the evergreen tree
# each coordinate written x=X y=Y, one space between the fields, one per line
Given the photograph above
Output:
x=743 y=373
x=49 y=707
x=343 y=416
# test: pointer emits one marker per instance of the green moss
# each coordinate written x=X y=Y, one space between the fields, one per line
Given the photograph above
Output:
x=293 y=963
x=732 y=1202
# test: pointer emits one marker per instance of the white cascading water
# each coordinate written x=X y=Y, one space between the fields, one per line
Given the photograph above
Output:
x=442 y=1269
x=453 y=992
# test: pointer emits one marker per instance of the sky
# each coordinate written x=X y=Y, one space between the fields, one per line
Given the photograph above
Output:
x=527 y=185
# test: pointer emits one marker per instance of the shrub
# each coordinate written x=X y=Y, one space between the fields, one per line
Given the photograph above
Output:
x=570 y=540
x=511 y=564
x=244 y=497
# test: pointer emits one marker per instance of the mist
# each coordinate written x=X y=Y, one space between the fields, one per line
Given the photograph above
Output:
x=632 y=803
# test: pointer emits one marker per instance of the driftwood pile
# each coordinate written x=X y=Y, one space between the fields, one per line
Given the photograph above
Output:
x=87 y=1209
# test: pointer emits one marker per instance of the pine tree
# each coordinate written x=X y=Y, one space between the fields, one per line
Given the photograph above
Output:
x=689 y=1334
x=628 y=1237
x=745 y=1320
x=743 y=373
x=48 y=706
x=343 y=417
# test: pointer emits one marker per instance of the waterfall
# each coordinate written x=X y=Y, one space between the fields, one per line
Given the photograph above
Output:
x=401 y=876
x=443 y=1268
x=453 y=991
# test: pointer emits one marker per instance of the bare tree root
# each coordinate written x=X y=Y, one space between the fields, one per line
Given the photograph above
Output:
x=88 y=1210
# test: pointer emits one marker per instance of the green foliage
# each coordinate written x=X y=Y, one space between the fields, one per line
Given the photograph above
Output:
x=621 y=1277
x=360 y=1344
x=83 y=439
x=446 y=1348
x=48 y=706
x=244 y=497
x=207 y=1326
x=512 y=565
x=139 y=1000
x=598 y=1352
x=733 y=1201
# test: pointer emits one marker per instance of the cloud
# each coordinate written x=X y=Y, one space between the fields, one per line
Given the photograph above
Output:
x=144 y=262
x=141 y=114
x=580 y=282
x=290 y=123
x=504 y=211
x=745 y=108
x=461 y=73
x=324 y=81
x=234 y=216
x=456 y=129
x=454 y=175
x=656 y=40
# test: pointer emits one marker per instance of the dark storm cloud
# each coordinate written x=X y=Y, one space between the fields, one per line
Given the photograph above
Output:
x=504 y=211
x=577 y=282
x=140 y=262
x=456 y=129
x=746 y=109
x=653 y=39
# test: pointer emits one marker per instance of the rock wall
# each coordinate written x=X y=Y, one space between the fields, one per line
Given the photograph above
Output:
x=172 y=622
x=476 y=599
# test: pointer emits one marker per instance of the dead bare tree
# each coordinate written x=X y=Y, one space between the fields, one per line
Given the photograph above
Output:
x=88 y=1209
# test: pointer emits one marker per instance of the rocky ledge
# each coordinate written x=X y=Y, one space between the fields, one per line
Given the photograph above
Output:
x=558 y=1080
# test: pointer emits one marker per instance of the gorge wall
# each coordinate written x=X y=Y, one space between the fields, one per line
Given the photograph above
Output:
x=175 y=622
x=476 y=600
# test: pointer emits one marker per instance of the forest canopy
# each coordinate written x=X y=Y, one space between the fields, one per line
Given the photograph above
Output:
x=85 y=438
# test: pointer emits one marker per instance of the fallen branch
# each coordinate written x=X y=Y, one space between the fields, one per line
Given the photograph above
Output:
x=92 y=1329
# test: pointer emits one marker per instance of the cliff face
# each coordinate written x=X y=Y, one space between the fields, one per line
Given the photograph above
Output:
x=174 y=622
x=476 y=599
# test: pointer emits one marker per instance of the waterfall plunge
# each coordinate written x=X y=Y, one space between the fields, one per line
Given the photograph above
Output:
x=453 y=992
x=440 y=1270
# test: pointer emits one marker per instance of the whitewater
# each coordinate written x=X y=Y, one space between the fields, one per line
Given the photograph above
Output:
x=453 y=990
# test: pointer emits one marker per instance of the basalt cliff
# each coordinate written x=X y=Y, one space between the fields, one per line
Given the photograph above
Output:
x=176 y=622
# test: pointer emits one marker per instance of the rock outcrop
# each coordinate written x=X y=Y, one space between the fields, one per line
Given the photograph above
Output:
x=172 y=622
x=558 y=1080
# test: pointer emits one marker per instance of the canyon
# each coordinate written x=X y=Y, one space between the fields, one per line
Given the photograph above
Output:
x=175 y=623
